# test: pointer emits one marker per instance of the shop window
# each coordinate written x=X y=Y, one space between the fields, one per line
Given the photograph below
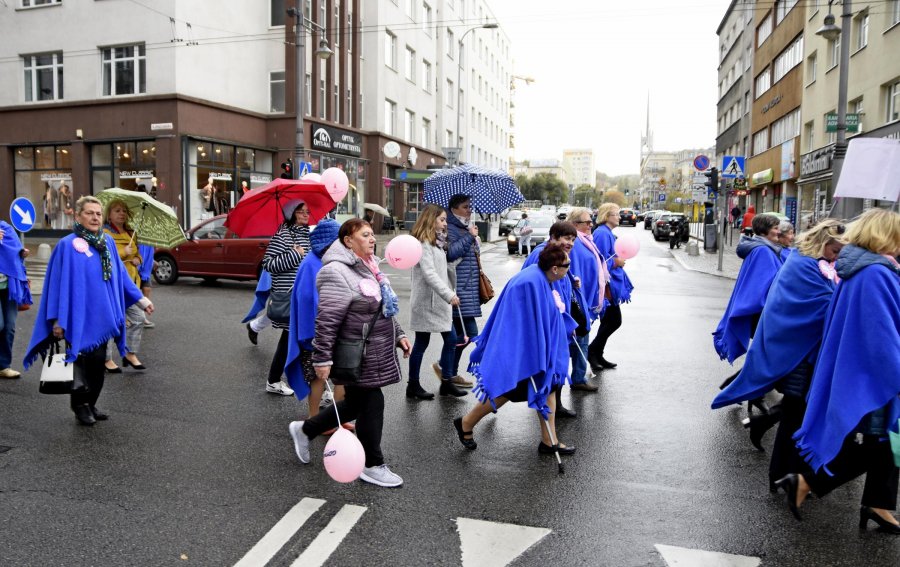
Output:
x=124 y=70
x=43 y=76
x=43 y=174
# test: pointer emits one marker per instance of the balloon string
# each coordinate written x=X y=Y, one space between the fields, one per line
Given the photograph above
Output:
x=333 y=402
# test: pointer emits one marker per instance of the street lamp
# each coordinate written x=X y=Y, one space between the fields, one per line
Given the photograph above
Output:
x=846 y=208
x=302 y=24
x=459 y=101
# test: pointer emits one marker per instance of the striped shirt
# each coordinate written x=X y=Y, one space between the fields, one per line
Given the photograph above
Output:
x=282 y=261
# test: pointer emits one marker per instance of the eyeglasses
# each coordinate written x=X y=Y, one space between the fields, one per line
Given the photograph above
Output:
x=582 y=221
x=566 y=265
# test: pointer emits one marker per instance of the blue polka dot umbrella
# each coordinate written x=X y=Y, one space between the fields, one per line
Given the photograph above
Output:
x=492 y=191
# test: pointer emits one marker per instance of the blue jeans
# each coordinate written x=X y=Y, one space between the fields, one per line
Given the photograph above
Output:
x=421 y=345
x=9 y=311
x=579 y=366
x=471 y=330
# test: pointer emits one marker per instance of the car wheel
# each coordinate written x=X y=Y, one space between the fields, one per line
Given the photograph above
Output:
x=166 y=272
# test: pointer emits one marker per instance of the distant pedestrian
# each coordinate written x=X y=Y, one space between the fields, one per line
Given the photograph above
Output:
x=523 y=232
x=14 y=291
x=747 y=220
x=736 y=216
x=785 y=238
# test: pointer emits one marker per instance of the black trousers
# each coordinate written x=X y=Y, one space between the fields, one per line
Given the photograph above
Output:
x=93 y=371
x=609 y=324
x=277 y=368
x=366 y=406
x=873 y=458
x=786 y=457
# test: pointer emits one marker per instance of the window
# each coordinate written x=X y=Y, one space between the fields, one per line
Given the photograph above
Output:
x=322 y=95
x=861 y=30
x=761 y=141
x=276 y=91
x=426 y=75
x=782 y=7
x=788 y=59
x=764 y=30
x=856 y=107
x=277 y=13
x=830 y=137
x=336 y=105
x=448 y=139
x=390 y=109
x=410 y=6
x=426 y=133
x=410 y=66
x=809 y=132
x=894 y=12
x=893 y=101
x=786 y=128
x=124 y=70
x=426 y=18
x=834 y=53
x=43 y=77
x=451 y=44
x=390 y=48
x=36 y=3
x=308 y=94
x=763 y=82
x=409 y=126
x=448 y=93
x=811 y=68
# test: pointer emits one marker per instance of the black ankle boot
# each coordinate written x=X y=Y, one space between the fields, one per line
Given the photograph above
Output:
x=84 y=415
x=415 y=390
x=448 y=388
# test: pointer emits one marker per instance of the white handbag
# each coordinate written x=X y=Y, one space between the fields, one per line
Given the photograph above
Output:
x=57 y=375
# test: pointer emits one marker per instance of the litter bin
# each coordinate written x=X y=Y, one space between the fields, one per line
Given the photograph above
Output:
x=709 y=237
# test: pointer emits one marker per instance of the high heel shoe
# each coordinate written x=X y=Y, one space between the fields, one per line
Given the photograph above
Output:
x=469 y=443
x=866 y=514
x=758 y=425
x=789 y=484
x=126 y=363
x=116 y=370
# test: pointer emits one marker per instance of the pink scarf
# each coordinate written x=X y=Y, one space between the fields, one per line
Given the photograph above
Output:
x=371 y=263
x=601 y=265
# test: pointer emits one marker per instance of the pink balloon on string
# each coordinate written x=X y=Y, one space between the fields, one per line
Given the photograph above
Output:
x=312 y=177
x=335 y=180
x=627 y=246
x=403 y=252
x=344 y=456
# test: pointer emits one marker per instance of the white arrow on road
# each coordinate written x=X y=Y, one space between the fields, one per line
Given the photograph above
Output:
x=26 y=215
x=685 y=557
x=492 y=544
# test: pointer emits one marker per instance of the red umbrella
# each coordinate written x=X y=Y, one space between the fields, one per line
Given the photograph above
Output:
x=259 y=213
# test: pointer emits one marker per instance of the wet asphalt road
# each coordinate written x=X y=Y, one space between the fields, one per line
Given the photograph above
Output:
x=196 y=464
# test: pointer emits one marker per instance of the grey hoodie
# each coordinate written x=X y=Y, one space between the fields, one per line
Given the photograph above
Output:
x=852 y=259
x=750 y=243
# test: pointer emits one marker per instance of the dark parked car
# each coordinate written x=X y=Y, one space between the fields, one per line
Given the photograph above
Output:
x=627 y=216
x=660 y=228
x=212 y=251
x=648 y=218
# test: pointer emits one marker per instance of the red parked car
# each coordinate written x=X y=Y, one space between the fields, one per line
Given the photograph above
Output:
x=212 y=251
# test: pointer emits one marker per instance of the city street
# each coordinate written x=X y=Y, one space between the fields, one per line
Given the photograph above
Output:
x=196 y=466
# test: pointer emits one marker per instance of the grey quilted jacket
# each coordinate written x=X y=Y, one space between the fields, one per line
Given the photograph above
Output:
x=343 y=312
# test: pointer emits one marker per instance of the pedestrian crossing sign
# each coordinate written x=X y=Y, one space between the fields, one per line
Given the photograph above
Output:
x=732 y=167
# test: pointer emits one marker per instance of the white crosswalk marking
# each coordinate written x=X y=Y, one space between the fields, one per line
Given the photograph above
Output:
x=492 y=544
x=685 y=557
x=328 y=539
x=280 y=533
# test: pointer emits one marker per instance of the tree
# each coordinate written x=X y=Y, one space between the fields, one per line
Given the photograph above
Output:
x=585 y=195
x=544 y=187
x=614 y=196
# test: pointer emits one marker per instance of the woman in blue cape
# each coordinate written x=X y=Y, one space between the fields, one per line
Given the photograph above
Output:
x=618 y=291
x=523 y=353
x=787 y=341
x=853 y=402
x=85 y=295
x=13 y=292
x=304 y=306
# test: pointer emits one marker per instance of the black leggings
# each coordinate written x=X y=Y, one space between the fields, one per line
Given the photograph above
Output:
x=609 y=324
x=93 y=371
x=366 y=406
x=277 y=368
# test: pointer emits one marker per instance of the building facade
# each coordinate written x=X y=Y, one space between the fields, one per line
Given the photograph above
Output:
x=579 y=166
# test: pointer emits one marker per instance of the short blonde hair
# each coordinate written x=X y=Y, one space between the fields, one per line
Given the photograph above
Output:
x=605 y=210
x=577 y=212
x=82 y=201
x=812 y=242
x=876 y=230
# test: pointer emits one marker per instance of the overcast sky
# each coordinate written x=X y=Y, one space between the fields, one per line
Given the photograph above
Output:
x=594 y=64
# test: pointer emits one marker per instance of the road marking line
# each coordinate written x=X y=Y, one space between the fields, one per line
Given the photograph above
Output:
x=328 y=539
x=686 y=557
x=493 y=544
x=284 y=530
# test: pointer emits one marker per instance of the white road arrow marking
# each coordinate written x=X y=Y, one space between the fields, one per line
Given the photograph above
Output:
x=492 y=544
x=685 y=557
x=331 y=537
x=280 y=533
x=26 y=215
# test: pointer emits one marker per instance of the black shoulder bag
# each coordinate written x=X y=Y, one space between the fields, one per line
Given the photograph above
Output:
x=347 y=354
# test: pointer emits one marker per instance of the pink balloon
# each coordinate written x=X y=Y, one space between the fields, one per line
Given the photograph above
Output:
x=627 y=246
x=335 y=180
x=403 y=252
x=344 y=456
x=312 y=177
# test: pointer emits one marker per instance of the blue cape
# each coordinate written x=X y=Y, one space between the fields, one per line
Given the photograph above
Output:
x=302 y=329
x=584 y=265
x=262 y=296
x=620 y=285
x=13 y=266
x=858 y=369
x=90 y=310
x=565 y=286
x=526 y=335
x=732 y=336
x=789 y=332
x=145 y=270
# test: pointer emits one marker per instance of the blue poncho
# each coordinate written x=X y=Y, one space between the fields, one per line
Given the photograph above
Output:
x=858 y=368
x=304 y=308
x=90 y=310
x=732 y=336
x=13 y=266
x=525 y=336
x=263 y=286
x=620 y=285
x=789 y=332
x=565 y=286
x=145 y=270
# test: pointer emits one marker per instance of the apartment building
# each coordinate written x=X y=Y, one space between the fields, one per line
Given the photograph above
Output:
x=530 y=168
x=579 y=167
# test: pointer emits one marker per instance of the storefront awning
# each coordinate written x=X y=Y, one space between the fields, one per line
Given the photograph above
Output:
x=413 y=175
x=762 y=177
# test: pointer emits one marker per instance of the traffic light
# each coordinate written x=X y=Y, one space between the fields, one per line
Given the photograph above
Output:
x=713 y=176
x=288 y=169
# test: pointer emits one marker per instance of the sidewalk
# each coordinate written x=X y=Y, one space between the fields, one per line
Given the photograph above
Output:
x=708 y=262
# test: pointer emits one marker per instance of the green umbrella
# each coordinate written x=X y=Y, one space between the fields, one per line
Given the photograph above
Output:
x=154 y=223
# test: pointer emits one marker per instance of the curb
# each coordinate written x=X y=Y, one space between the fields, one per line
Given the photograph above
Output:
x=691 y=269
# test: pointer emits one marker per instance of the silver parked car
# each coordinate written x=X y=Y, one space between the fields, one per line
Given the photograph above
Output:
x=540 y=225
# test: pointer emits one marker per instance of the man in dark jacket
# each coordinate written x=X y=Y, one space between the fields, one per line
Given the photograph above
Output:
x=463 y=246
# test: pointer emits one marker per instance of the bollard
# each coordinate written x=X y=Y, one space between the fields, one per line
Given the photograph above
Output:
x=693 y=249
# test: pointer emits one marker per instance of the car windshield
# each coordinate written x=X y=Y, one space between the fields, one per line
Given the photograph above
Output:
x=513 y=215
x=541 y=222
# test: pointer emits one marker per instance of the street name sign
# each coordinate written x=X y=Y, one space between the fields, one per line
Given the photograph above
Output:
x=852 y=120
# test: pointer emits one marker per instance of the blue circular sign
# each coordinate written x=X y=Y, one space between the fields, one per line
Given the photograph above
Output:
x=22 y=214
x=701 y=163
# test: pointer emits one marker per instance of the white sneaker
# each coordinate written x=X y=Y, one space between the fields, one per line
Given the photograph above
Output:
x=9 y=373
x=279 y=388
x=381 y=475
x=148 y=324
x=301 y=441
